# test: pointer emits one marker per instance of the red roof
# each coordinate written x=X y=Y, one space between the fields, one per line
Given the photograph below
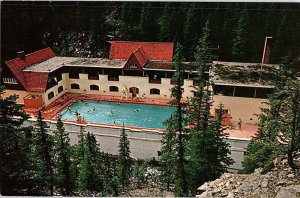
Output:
x=153 y=50
x=36 y=81
x=140 y=56
x=31 y=81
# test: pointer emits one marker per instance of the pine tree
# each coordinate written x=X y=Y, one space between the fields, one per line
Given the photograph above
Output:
x=240 y=40
x=62 y=163
x=279 y=124
x=180 y=178
x=42 y=152
x=139 y=171
x=190 y=31
x=14 y=149
x=90 y=179
x=176 y=125
x=168 y=153
x=207 y=150
x=80 y=145
x=123 y=24
x=218 y=149
x=166 y=22
x=148 y=25
x=124 y=160
x=110 y=176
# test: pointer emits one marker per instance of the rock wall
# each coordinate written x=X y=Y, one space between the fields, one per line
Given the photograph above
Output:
x=280 y=182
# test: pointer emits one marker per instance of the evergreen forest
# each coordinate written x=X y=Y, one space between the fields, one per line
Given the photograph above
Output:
x=83 y=28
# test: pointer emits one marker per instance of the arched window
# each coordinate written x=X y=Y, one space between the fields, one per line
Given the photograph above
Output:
x=94 y=87
x=74 y=86
x=50 y=95
x=113 y=89
x=155 y=91
x=60 y=89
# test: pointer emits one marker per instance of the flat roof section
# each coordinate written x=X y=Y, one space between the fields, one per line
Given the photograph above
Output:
x=57 y=62
x=243 y=74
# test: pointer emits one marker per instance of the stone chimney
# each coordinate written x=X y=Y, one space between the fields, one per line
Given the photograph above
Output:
x=267 y=50
x=21 y=55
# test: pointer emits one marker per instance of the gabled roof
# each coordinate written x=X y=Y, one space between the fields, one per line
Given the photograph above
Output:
x=27 y=79
x=140 y=56
x=153 y=50
x=36 y=81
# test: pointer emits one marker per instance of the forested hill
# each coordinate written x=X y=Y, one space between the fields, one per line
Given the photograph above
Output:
x=82 y=28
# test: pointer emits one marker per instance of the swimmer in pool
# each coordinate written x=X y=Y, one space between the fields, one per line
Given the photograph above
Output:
x=110 y=113
x=146 y=119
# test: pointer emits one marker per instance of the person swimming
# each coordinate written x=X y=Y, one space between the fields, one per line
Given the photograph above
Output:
x=110 y=113
x=147 y=119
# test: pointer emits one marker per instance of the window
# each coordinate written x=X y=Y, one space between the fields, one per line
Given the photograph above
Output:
x=74 y=75
x=10 y=81
x=113 y=89
x=74 y=86
x=223 y=90
x=58 y=78
x=155 y=91
x=60 y=89
x=50 y=95
x=172 y=82
x=263 y=92
x=155 y=80
x=93 y=76
x=244 y=92
x=94 y=87
x=113 y=78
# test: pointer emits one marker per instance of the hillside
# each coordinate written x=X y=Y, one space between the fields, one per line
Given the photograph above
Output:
x=280 y=182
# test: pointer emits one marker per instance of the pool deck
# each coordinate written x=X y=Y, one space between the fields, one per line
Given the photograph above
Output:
x=247 y=131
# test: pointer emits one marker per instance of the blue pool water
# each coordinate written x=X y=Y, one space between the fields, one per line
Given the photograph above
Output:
x=140 y=115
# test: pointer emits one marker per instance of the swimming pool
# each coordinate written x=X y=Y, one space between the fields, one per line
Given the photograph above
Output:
x=140 y=115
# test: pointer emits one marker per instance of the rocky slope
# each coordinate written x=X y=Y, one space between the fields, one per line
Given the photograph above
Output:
x=280 y=182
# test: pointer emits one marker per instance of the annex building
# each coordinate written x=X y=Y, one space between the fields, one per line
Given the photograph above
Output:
x=135 y=70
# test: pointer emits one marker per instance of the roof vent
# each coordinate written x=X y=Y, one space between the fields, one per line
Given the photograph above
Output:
x=21 y=55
